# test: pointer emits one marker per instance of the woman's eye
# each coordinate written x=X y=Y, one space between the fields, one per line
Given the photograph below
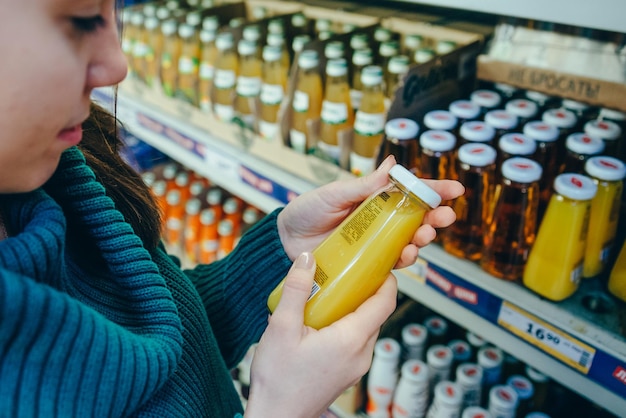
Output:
x=88 y=24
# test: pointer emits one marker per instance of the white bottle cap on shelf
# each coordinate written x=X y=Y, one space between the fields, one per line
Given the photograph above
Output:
x=474 y=339
x=387 y=348
x=207 y=36
x=308 y=59
x=193 y=18
x=136 y=18
x=522 y=386
x=276 y=26
x=537 y=96
x=359 y=41
x=603 y=129
x=449 y=393
x=464 y=109
x=423 y=55
x=401 y=129
x=185 y=30
x=389 y=48
x=398 y=64
x=605 y=168
x=276 y=39
x=382 y=34
x=439 y=356
x=501 y=119
x=535 y=375
x=502 y=399
x=299 y=41
x=461 y=350
x=584 y=144
x=612 y=114
x=522 y=108
x=490 y=357
x=168 y=27
x=517 y=144
x=211 y=23
x=251 y=33
x=362 y=57
x=440 y=120
x=334 y=50
x=224 y=41
x=575 y=186
x=506 y=88
x=469 y=374
x=574 y=105
x=521 y=170
x=372 y=75
x=151 y=23
x=272 y=53
x=436 y=325
x=413 y=41
x=437 y=141
x=476 y=412
x=477 y=131
x=415 y=185
x=486 y=98
x=414 y=334
x=541 y=131
x=415 y=370
x=561 y=118
x=336 y=67
x=477 y=154
x=246 y=47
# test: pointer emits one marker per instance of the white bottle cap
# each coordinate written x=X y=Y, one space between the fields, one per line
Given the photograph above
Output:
x=415 y=185
x=372 y=75
x=507 y=89
x=362 y=57
x=193 y=18
x=207 y=36
x=517 y=144
x=401 y=129
x=207 y=216
x=322 y=24
x=437 y=141
x=541 y=131
x=486 y=98
x=584 y=144
x=469 y=374
x=522 y=386
x=537 y=97
x=336 y=67
x=359 y=41
x=151 y=23
x=522 y=108
x=398 y=64
x=382 y=34
x=474 y=339
x=162 y=13
x=603 y=129
x=308 y=59
x=503 y=397
x=477 y=131
x=168 y=27
x=461 y=350
x=414 y=334
x=535 y=375
x=423 y=55
x=439 y=356
x=272 y=53
x=477 y=154
x=574 y=105
x=387 y=348
x=225 y=227
x=612 y=114
x=561 y=118
x=276 y=26
x=575 y=186
x=246 y=47
x=605 y=168
x=185 y=31
x=136 y=18
x=173 y=197
x=276 y=39
x=415 y=371
x=501 y=119
x=490 y=357
x=440 y=120
x=445 y=46
x=224 y=41
x=448 y=393
x=299 y=41
x=389 y=49
x=192 y=207
x=521 y=170
x=476 y=412
x=413 y=41
x=298 y=19
x=334 y=50
x=464 y=109
x=211 y=23
x=436 y=325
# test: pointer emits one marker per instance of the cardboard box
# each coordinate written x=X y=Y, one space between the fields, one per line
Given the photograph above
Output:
x=556 y=83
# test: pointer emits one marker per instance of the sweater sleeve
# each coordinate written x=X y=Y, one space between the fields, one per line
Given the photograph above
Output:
x=59 y=357
x=235 y=289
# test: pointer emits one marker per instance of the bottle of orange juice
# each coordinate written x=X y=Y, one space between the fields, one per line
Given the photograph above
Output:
x=169 y=56
x=355 y=259
x=150 y=71
x=248 y=81
x=608 y=174
x=307 y=102
x=208 y=55
x=272 y=91
x=369 y=123
x=188 y=64
x=278 y=40
x=337 y=116
x=555 y=261
x=225 y=78
x=396 y=70
x=361 y=58
x=617 y=278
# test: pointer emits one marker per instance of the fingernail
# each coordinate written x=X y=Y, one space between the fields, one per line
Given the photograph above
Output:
x=385 y=162
x=304 y=261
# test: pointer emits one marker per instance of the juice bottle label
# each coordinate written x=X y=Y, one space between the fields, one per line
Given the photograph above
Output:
x=361 y=166
x=298 y=141
x=225 y=79
x=300 y=101
x=248 y=86
x=368 y=124
x=272 y=94
x=224 y=113
x=355 y=98
x=334 y=113
x=332 y=151
x=187 y=65
x=268 y=130
x=206 y=71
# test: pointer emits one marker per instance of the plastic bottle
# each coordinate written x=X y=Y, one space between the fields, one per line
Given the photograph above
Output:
x=159 y=189
x=447 y=401
x=608 y=173
x=502 y=401
x=491 y=360
x=525 y=110
x=578 y=148
x=439 y=358
x=540 y=383
x=469 y=377
x=617 y=278
x=361 y=58
x=396 y=70
x=411 y=395
x=206 y=70
x=307 y=102
x=512 y=228
x=175 y=218
x=337 y=117
x=437 y=152
x=546 y=137
x=208 y=237
x=273 y=86
x=214 y=197
x=388 y=218
x=248 y=82
x=232 y=210
x=382 y=378
x=475 y=412
x=461 y=353
x=486 y=99
x=475 y=170
x=437 y=330
x=191 y=230
x=225 y=78
x=169 y=57
x=401 y=141
x=555 y=262
x=476 y=342
x=525 y=391
x=414 y=338
x=607 y=131
x=369 y=123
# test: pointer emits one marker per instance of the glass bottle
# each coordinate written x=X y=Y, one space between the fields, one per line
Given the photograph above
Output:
x=582 y=111
x=137 y=45
x=437 y=328
x=440 y=120
x=359 y=41
x=423 y=55
x=225 y=78
x=396 y=70
x=437 y=150
x=476 y=131
x=506 y=91
x=369 y=241
x=386 y=51
x=525 y=110
x=150 y=71
x=502 y=121
x=511 y=230
x=188 y=64
x=401 y=141
x=298 y=43
x=544 y=101
x=299 y=24
x=337 y=117
x=619 y=118
x=486 y=99
x=278 y=40
x=565 y=121
x=410 y=398
x=412 y=42
x=361 y=58
x=274 y=84
x=608 y=174
x=579 y=147
x=617 y=277
x=206 y=71
x=169 y=57
x=334 y=50
x=555 y=262
x=475 y=170
x=607 y=131
x=545 y=136
x=307 y=102
x=369 y=123
x=382 y=378
x=249 y=82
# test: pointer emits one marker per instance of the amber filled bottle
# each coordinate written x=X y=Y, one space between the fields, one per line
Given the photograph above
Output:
x=225 y=80
x=610 y=132
x=360 y=59
x=579 y=147
x=248 y=82
x=188 y=64
x=396 y=70
x=546 y=137
x=512 y=228
x=437 y=148
x=273 y=86
x=208 y=56
x=169 y=57
x=306 y=103
x=337 y=116
x=401 y=141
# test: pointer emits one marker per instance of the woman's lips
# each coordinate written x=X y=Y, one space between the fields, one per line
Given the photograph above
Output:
x=72 y=136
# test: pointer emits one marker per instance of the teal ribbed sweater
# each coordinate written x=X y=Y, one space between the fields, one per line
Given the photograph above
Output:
x=140 y=338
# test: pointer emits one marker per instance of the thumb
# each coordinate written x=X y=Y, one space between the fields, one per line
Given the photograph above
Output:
x=356 y=190
x=296 y=290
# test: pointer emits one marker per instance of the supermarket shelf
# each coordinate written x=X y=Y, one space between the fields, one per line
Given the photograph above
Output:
x=578 y=348
x=600 y=14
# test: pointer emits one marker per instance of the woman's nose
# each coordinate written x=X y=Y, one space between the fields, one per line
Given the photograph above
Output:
x=108 y=65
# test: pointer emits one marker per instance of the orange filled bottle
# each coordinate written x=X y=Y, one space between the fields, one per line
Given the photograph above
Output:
x=192 y=229
x=272 y=91
x=555 y=262
x=337 y=116
x=188 y=64
x=437 y=148
x=226 y=238
x=248 y=82
x=225 y=79
x=208 y=55
x=175 y=218
x=307 y=102
x=169 y=57
x=355 y=259
x=208 y=237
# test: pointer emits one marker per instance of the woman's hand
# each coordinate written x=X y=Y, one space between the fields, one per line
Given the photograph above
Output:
x=298 y=371
x=308 y=219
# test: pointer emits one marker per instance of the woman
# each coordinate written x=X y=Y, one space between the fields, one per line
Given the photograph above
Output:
x=95 y=319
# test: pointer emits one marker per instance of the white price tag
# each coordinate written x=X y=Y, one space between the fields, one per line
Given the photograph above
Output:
x=227 y=168
x=555 y=342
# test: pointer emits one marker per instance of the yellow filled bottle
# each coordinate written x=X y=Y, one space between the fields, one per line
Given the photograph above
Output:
x=355 y=259
x=150 y=70
x=617 y=279
x=169 y=57
x=188 y=64
x=555 y=261
x=608 y=174
x=248 y=82
x=396 y=70
x=272 y=91
x=369 y=123
x=208 y=55
x=337 y=116
x=278 y=40
x=307 y=102
x=225 y=79
x=361 y=58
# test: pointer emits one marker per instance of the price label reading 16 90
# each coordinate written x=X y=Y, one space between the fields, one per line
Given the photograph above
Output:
x=546 y=337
